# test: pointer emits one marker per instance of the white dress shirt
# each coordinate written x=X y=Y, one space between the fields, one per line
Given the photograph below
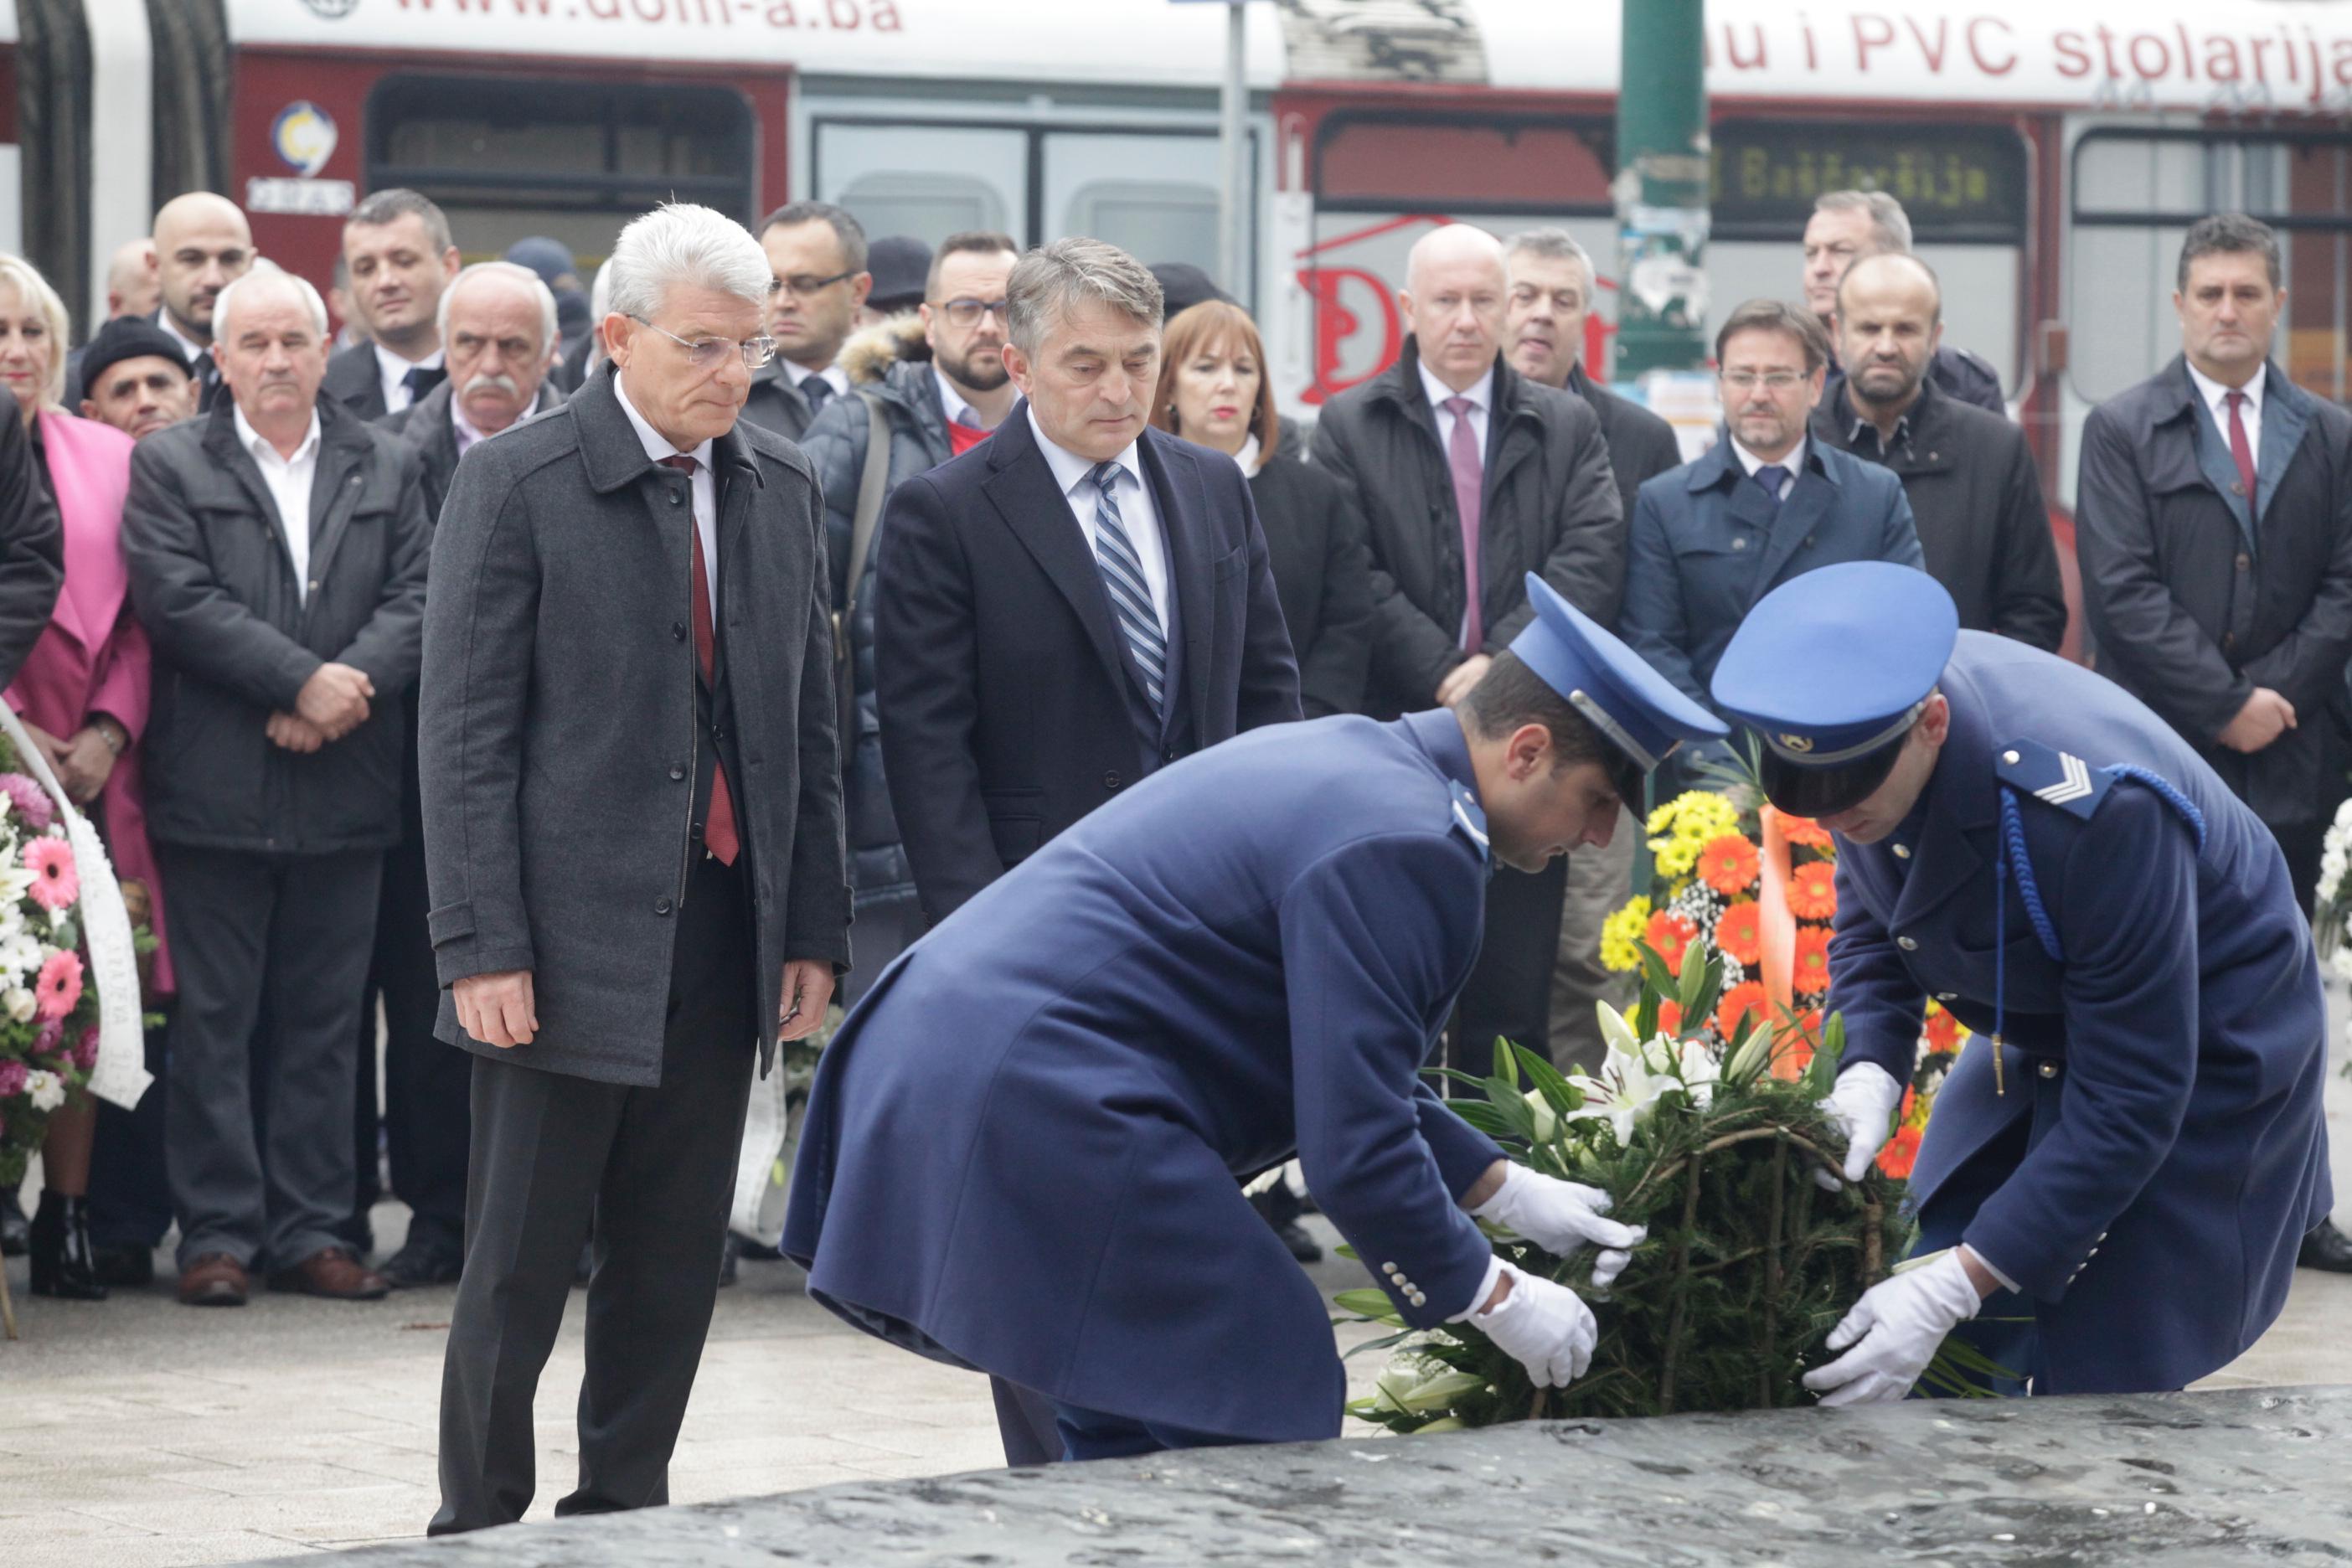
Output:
x=290 y=480
x=1137 y=513
x=1248 y=456
x=705 y=488
x=188 y=345
x=833 y=375
x=953 y=404
x=392 y=371
x=1482 y=402
x=1794 y=462
x=2249 y=414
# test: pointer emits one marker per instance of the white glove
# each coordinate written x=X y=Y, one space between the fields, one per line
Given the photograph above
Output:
x=1562 y=1217
x=1864 y=1104
x=1546 y=1327
x=1899 y=1324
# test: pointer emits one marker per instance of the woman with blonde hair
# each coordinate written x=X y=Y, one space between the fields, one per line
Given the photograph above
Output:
x=82 y=693
x=1214 y=390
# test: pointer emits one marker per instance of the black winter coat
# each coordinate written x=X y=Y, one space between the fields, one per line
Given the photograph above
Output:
x=561 y=745
x=1322 y=576
x=32 y=544
x=2194 y=602
x=1976 y=499
x=235 y=637
x=1640 y=444
x=1551 y=507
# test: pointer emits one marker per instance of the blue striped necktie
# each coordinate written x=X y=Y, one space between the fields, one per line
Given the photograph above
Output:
x=1131 y=596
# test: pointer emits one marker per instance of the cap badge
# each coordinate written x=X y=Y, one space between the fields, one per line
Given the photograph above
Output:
x=1799 y=744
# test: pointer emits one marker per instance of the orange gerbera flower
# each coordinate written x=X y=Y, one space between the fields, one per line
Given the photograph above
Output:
x=1901 y=1151
x=1727 y=864
x=1804 y=832
x=1668 y=934
x=1670 y=1018
x=1744 y=1000
x=1943 y=1030
x=1811 y=974
x=1813 y=891
x=1740 y=931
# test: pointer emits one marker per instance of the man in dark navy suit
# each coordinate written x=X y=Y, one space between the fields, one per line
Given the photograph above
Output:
x=1064 y=610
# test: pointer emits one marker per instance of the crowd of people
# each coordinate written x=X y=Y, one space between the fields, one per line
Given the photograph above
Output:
x=356 y=639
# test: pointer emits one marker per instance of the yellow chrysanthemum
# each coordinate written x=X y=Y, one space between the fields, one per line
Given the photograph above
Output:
x=1620 y=931
x=1682 y=828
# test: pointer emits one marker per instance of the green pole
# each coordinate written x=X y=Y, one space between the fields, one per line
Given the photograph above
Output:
x=1662 y=189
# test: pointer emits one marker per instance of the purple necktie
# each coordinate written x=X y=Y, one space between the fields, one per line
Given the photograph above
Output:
x=2241 y=451
x=1463 y=456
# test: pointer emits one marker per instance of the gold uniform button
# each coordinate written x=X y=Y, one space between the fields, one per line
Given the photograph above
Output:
x=1902 y=852
x=1906 y=944
x=2048 y=1069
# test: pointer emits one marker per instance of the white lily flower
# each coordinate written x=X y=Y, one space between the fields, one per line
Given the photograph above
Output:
x=1547 y=1119
x=47 y=1089
x=1701 y=1071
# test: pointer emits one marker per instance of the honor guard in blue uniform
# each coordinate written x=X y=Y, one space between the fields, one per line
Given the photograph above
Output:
x=1022 y=1149
x=2129 y=1150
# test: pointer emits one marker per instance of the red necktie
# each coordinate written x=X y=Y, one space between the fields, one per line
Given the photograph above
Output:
x=2241 y=451
x=718 y=823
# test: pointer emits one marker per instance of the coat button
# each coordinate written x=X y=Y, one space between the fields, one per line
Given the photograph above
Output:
x=1902 y=852
x=1906 y=944
x=1112 y=781
x=662 y=906
x=675 y=497
x=2245 y=562
x=2229 y=641
x=1739 y=545
x=677 y=770
x=2048 y=1069
x=1948 y=995
x=678 y=631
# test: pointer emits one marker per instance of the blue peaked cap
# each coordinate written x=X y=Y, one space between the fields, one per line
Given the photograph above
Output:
x=1615 y=689
x=1833 y=667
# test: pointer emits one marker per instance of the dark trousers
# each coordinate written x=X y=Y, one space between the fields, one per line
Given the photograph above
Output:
x=426 y=1084
x=130 y=1188
x=257 y=1125
x=1509 y=989
x=2303 y=844
x=655 y=1171
x=1093 y=1434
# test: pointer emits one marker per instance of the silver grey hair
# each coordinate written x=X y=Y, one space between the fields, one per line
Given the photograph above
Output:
x=513 y=274
x=264 y=270
x=1887 y=215
x=600 y=305
x=1553 y=244
x=1046 y=281
x=680 y=245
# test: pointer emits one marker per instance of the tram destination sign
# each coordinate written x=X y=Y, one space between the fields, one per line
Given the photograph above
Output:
x=1957 y=183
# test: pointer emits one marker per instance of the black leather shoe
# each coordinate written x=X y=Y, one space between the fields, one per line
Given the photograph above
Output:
x=423 y=1263
x=757 y=1251
x=62 y=1263
x=15 y=1232
x=126 y=1265
x=1303 y=1247
x=2326 y=1247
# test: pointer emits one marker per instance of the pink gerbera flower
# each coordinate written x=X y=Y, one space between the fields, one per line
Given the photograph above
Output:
x=55 y=884
x=31 y=801
x=86 y=1049
x=60 y=984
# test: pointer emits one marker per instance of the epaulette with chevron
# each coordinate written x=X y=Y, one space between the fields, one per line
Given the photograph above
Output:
x=2053 y=777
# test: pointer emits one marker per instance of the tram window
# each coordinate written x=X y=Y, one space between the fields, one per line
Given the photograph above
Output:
x=575 y=160
x=931 y=206
x=2134 y=195
x=1162 y=219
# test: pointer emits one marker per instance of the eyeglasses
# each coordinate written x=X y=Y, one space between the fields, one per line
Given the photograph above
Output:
x=1770 y=381
x=802 y=286
x=709 y=353
x=968 y=312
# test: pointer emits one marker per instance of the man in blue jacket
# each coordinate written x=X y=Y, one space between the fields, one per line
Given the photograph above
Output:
x=2127 y=1154
x=1765 y=504
x=1022 y=1149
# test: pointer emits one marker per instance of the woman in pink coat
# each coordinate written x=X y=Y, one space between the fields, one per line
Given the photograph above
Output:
x=82 y=693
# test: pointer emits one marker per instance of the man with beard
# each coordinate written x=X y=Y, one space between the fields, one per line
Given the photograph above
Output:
x=1847 y=225
x=203 y=245
x=1975 y=493
x=497 y=326
x=398 y=248
x=1763 y=505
